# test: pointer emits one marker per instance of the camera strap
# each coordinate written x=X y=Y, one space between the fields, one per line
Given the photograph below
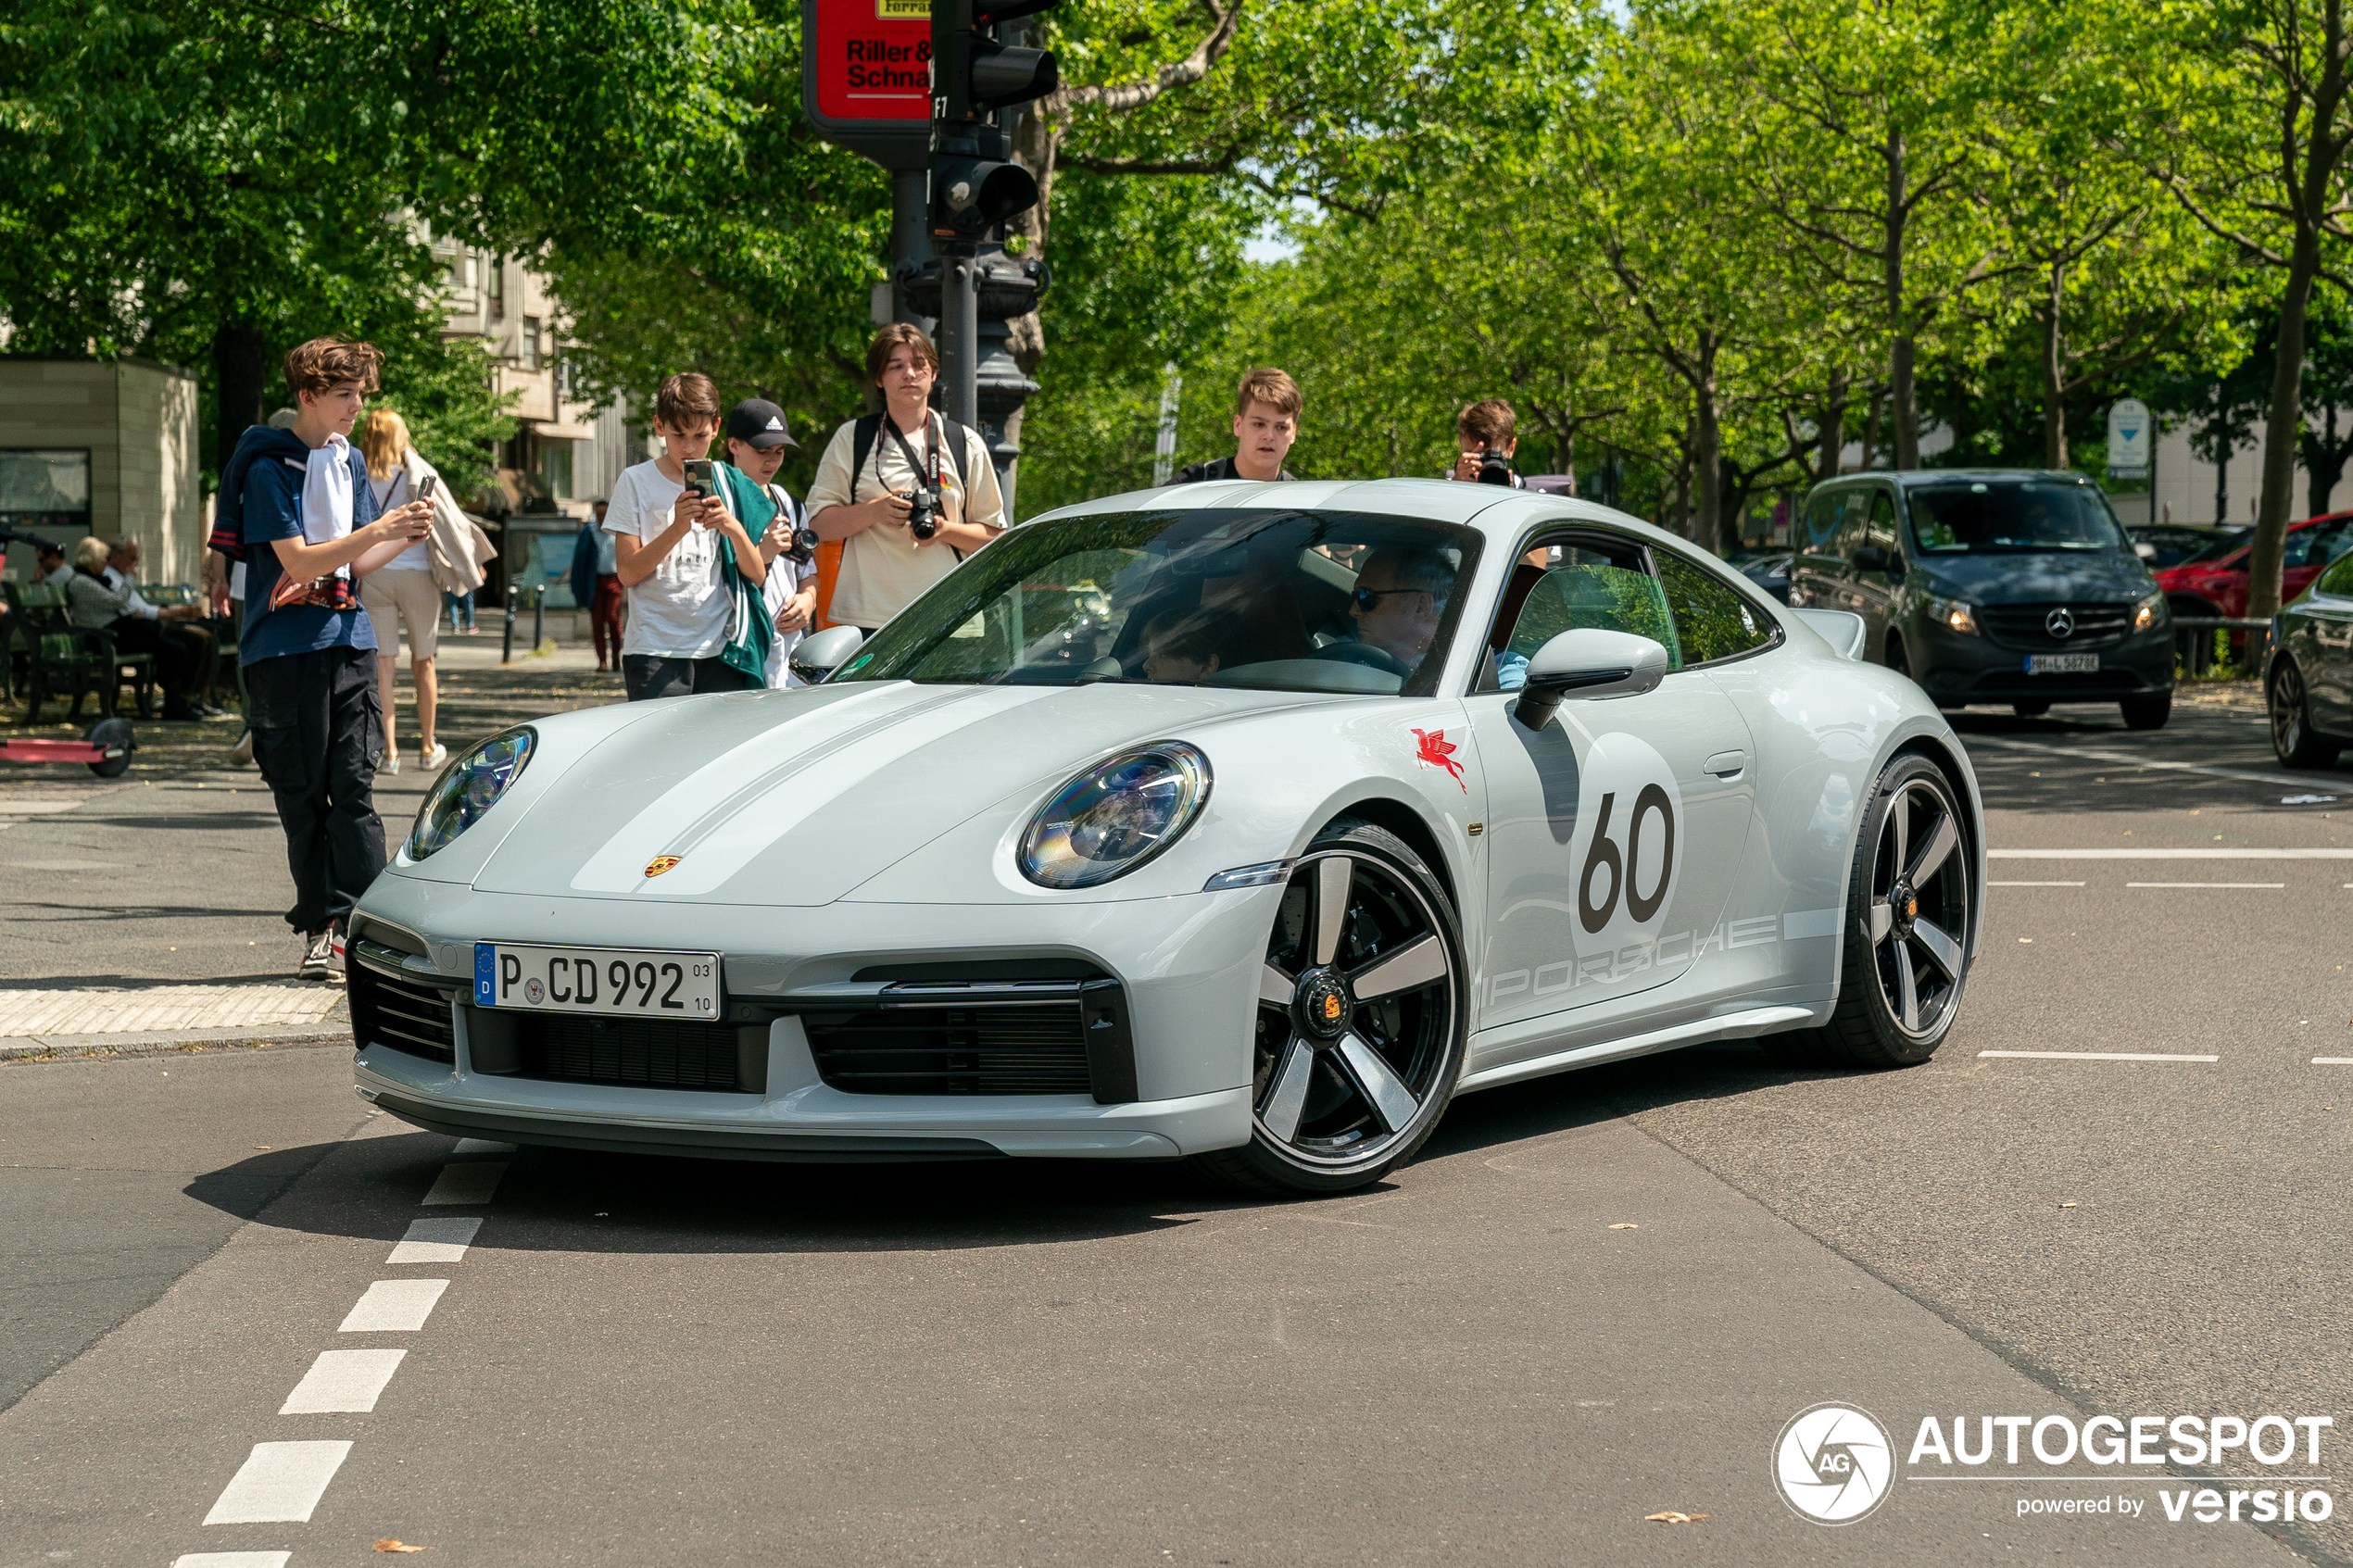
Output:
x=930 y=481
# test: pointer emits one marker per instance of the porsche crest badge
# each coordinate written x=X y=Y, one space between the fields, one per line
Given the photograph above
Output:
x=659 y=864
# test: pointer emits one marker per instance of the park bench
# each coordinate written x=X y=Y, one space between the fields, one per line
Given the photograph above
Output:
x=59 y=658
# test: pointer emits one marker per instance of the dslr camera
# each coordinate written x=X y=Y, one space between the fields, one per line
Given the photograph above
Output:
x=1494 y=467
x=923 y=514
x=803 y=548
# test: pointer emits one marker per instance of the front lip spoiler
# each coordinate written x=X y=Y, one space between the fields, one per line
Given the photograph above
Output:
x=709 y=1144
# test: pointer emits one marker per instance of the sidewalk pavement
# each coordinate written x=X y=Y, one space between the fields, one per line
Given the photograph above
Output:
x=146 y=912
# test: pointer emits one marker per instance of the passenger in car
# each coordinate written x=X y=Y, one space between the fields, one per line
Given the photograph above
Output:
x=1259 y=598
x=1182 y=647
x=1399 y=598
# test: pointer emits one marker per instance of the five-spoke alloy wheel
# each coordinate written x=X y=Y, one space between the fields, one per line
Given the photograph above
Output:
x=2292 y=737
x=1908 y=930
x=1360 y=1022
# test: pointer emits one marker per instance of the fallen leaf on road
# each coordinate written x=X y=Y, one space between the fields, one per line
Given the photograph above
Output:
x=388 y=1544
x=1671 y=1517
x=1625 y=1227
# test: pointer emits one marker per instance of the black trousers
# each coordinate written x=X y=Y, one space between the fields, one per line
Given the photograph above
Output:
x=318 y=731
x=175 y=660
x=649 y=675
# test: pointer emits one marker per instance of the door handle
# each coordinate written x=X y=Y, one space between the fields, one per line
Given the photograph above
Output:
x=1726 y=764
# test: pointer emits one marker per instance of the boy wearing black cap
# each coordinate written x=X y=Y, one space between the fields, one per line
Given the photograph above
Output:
x=758 y=439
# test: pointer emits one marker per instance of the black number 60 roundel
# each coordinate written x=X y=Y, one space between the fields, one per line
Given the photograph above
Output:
x=1604 y=856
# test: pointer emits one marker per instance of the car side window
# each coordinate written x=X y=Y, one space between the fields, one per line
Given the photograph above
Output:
x=1586 y=582
x=1880 y=530
x=2297 y=548
x=2337 y=581
x=1850 y=531
x=1713 y=620
x=1822 y=513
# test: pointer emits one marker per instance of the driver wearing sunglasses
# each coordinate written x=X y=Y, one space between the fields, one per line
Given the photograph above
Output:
x=1399 y=596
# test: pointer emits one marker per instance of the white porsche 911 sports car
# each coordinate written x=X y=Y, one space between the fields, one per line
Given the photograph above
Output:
x=1241 y=823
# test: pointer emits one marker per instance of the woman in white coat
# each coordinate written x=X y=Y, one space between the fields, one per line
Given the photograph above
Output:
x=410 y=587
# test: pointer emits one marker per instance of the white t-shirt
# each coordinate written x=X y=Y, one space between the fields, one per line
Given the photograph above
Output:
x=885 y=568
x=681 y=610
x=391 y=492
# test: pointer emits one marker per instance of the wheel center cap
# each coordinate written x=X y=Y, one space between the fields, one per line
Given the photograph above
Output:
x=1903 y=903
x=1323 y=1004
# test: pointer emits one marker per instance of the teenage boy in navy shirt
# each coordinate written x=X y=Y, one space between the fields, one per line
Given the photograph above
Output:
x=295 y=504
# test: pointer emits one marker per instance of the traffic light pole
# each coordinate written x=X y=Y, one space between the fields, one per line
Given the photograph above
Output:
x=959 y=338
x=910 y=237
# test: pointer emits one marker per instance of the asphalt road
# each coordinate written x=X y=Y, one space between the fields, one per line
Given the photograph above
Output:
x=641 y=1360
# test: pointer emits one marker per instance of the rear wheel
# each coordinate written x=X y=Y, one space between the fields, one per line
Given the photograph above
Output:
x=2147 y=712
x=1904 y=943
x=1360 y=1026
x=110 y=734
x=2291 y=736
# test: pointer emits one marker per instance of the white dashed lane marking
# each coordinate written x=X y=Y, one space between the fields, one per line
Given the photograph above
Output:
x=467 y=1184
x=279 y=1484
x=2333 y=1061
x=395 y=1305
x=2103 y=1056
x=2241 y=884
x=231 y=1560
x=343 y=1382
x=2224 y=854
x=2033 y=884
x=435 y=1241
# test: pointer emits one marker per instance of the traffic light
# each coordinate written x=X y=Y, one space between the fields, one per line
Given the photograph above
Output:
x=975 y=183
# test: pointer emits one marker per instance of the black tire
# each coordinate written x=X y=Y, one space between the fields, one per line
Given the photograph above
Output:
x=2147 y=712
x=112 y=733
x=1932 y=875
x=2293 y=738
x=1349 y=1078
x=2034 y=710
x=1896 y=657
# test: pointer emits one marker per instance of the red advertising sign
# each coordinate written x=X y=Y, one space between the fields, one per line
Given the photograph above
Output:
x=866 y=71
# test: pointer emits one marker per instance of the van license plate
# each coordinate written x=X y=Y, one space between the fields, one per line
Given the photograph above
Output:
x=2062 y=664
x=614 y=982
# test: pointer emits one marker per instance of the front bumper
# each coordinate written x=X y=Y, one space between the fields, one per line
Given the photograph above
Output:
x=1956 y=670
x=1187 y=967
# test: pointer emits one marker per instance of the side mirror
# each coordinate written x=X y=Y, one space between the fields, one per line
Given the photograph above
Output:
x=1870 y=557
x=820 y=655
x=1589 y=664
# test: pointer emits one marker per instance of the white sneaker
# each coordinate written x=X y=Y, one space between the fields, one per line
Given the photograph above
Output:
x=317 y=955
x=391 y=764
x=432 y=760
x=335 y=970
x=242 y=757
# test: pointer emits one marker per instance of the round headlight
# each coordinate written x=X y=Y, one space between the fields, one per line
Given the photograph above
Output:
x=460 y=796
x=1115 y=816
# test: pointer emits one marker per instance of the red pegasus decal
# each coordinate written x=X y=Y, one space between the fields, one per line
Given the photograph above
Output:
x=1432 y=750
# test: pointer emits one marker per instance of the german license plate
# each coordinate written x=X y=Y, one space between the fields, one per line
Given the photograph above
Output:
x=2062 y=664
x=617 y=982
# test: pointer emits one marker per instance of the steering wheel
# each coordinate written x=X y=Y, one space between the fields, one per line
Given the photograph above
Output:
x=1364 y=654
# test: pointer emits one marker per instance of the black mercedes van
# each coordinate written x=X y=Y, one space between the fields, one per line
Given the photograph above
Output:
x=2014 y=586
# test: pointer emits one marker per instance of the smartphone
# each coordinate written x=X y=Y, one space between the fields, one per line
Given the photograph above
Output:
x=700 y=478
x=432 y=484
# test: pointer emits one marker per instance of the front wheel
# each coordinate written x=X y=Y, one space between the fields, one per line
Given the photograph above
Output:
x=1904 y=948
x=2292 y=737
x=2147 y=712
x=1361 y=1024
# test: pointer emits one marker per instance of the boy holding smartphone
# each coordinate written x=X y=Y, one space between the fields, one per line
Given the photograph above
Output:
x=295 y=507
x=666 y=534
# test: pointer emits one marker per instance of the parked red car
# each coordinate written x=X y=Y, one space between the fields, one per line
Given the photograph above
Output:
x=2218 y=588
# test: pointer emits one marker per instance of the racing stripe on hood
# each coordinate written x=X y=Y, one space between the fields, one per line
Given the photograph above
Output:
x=724 y=814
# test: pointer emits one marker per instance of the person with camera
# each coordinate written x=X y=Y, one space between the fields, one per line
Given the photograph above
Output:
x=909 y=492
x=667 y=523
x=758 y=439
x=1485 y=432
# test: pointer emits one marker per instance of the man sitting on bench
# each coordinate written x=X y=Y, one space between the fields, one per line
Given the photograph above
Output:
x=177 y=623
x=95 y=605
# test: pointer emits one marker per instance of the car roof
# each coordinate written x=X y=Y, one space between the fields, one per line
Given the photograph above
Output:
x=1906 y=478
x=1496 y=512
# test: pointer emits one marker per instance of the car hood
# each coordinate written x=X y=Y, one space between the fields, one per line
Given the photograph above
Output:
x=795 y=798
x=2032 y=578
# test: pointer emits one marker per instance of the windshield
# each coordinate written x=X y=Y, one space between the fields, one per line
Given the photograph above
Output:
x=1992 y=516
x=1291 y=601
x=2230 y=542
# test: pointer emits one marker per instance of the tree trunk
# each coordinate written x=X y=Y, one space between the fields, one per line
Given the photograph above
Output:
x=1902 y=349
x=2324 y=465
x=240 y=375
x=1707 y=451
x=2053 y=368
x=2280 y=428
x=2222 y=429
x=1833 y=427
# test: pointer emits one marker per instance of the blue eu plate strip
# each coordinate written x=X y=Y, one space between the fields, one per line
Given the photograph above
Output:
x=485 y=975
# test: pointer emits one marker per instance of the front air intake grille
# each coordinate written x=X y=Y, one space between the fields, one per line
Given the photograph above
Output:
x=2028 y=626
x=400 y=1013
x=975 y=1036
x=636 y=1052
